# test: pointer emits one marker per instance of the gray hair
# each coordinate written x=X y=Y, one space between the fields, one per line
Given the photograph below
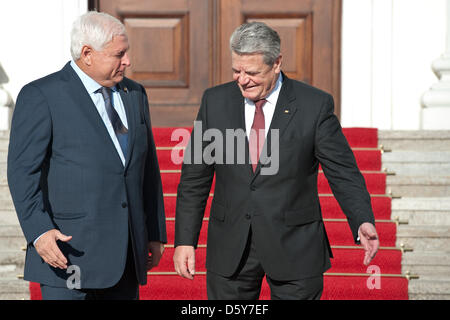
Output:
x=256 y=37
x=95 y=29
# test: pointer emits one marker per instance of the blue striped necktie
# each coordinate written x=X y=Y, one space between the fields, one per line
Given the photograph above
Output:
x=119 y=129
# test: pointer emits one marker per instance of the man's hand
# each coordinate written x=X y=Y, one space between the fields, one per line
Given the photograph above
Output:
x=156 y=249
x=184 y=261
x=48 y=249
x=369 y=240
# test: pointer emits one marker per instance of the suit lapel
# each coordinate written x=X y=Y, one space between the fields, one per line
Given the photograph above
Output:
x=237 y=110
x=128 y=103
x=285 y=110
x=80 y=97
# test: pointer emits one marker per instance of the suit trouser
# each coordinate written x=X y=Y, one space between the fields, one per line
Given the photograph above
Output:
x=126 y=289
x=246 y=283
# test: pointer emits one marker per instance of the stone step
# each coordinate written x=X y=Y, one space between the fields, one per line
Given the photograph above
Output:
x=416 y=157
x=422 y=211
x=6 y=205
x=422 y=289
x=14 y=285
x=15 y=296
x=8 y=217
x=5 y=193
x=12 y=243
x=10 y=271
x=4 y=134
x=4 y=140
x=418 y=169
x=428 y=265
x=11 y=238
x=424 y=238
x=424 y=140
x=12 y=257
x=417 y=163
x=10 y=230
x=427 y=218
x=432 y=204
x=418 y=186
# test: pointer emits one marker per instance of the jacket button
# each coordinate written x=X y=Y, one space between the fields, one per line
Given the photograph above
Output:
x=124 y=204
x=248 y=216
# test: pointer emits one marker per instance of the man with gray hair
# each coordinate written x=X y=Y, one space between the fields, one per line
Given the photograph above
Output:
x=268 y=225
x=83 y=172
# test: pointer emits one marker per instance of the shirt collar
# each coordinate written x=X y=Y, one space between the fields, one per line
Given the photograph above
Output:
x=273 y=95
x=272 y=98
x=90 y=84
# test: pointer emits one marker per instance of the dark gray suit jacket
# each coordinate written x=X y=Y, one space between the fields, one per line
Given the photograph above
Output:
x=283 y=210
x=64 y=172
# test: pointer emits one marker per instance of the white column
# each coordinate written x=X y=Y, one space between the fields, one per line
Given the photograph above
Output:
x=436 y=101
x=6 y=102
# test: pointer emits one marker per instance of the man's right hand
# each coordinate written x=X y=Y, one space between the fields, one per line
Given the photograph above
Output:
x=184 y=261
x=48 y=249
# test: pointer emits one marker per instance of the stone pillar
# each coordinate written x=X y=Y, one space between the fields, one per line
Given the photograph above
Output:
x=436 y=101
x=6 y=102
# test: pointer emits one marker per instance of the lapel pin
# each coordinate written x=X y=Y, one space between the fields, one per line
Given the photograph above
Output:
x=287 y=111
x=125 y=89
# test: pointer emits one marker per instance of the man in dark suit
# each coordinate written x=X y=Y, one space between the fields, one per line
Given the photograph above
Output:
x=267 y=222
x=83 y=172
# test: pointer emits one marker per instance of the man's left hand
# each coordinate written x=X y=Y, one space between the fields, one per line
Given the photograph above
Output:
x=156 y=249
x=369 y=240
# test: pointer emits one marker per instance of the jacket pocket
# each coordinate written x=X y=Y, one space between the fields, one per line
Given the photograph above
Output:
x=217 y=211
x=302 y=216
x=68 y=216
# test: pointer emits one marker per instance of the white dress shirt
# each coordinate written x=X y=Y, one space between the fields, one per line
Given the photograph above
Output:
x=268 y=108
x=92 y=86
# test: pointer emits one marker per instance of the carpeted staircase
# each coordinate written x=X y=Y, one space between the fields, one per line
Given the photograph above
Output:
x=347 y=279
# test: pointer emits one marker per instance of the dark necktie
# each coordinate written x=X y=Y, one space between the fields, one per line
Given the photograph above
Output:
x=119 y=129
x=257 y=134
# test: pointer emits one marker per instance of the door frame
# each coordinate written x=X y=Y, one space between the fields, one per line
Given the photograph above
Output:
x=336 y=50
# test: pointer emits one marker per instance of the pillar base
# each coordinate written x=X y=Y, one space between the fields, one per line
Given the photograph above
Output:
x=436 y=118
x=5 y=118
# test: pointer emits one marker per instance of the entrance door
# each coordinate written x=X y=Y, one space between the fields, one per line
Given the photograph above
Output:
x=180 y=47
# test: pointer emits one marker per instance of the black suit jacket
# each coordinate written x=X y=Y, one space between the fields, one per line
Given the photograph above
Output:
x=64 y=172
x=282 y=210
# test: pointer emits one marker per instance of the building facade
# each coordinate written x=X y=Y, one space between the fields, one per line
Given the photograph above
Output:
x=387 y=51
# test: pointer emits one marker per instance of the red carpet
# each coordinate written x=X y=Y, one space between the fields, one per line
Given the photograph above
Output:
x=348 y=279
x=338 y=233
x=345 y=260
x=335 y=288
x=375 y=181
x=370 y=160
x=330 y=208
